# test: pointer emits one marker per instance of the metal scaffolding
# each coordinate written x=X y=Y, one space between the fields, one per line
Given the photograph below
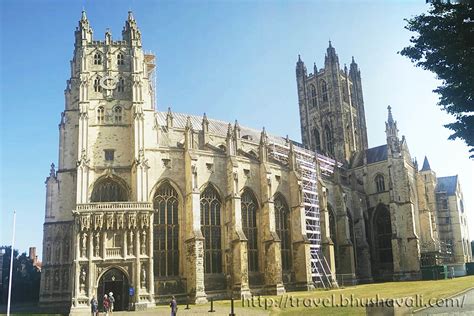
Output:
x=307 y=165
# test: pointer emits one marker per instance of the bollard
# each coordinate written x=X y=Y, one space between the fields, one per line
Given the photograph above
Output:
x=232 y=307
x=187 y=303
x=212 y=306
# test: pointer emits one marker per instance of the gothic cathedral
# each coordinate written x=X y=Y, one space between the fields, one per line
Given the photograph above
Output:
x=148 y=204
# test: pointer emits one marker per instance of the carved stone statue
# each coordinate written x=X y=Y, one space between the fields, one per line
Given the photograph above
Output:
x=56 y=280
x=83 y=278
x=143 y=243
x=97 y=245
x=143 y=276
x=130 y=243
x=84 y=244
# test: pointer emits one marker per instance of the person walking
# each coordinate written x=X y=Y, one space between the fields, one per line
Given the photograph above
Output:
x=111 y=301
x=106 y=305
x=94 y=306
x=173 y=306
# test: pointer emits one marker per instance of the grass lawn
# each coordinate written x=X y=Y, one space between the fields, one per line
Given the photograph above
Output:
x=425 y=289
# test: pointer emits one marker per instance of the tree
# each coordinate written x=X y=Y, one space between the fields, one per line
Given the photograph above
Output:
x=445 y=45
x=26 y=278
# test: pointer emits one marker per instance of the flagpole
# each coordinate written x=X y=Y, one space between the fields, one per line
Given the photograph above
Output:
x=11 y=266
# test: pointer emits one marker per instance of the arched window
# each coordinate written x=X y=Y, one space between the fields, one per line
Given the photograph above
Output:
x=211 y=229
x=380 y=183
x=97 y=86
x=249 y=208
x=313 y=95
x=317 y=139
x=383 y=238
x=109 y=190
x=97 y=59
x=329 y=140
x=166 y=231
x=282 y=223
x=120 y=59
x=118 y=114
x=100 y=114
x=324 y=90
x=121 y=85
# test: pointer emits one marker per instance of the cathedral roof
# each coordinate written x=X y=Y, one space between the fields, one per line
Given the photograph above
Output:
x=426 y=165
x=217 y=127
x=447 y=184
x=376 y=154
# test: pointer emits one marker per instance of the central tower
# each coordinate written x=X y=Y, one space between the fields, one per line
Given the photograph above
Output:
x=331 y=107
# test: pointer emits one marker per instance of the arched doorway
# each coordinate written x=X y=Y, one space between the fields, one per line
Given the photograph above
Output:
x=383 y=242
x=115 y=281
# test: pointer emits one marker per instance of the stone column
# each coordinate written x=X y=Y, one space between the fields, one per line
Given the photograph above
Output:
x=346 y=260
x=272 y=244
x=301 y=246
x=237 y=240
x=151 y=279
x=194 y=240
x=326 y=243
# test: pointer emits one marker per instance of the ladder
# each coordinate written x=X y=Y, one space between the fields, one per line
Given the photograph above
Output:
x=306 y=164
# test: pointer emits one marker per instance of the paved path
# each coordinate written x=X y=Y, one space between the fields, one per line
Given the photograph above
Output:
x=197 y=310
x=467 y=308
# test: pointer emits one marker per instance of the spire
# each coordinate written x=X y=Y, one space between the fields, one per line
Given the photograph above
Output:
x=300 y=67
x=169 y=119
x=52 y=171
x=130 y=16
x=83 y=16
x=315 y=69
x=130 y=32
x=354 y=69
x=426 y=165
x=83 y=31
x=331 y=57
x=391 y=131
x=390 y=117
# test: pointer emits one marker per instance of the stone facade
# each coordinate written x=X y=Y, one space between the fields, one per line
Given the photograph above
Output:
x=166 y=203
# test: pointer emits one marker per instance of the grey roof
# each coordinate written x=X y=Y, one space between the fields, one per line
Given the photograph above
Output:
x=215 y=126
x=447 y=184
x=426 y=165
x=376 y=154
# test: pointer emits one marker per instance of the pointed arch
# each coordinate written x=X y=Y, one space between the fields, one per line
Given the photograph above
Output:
x=249 y=208
x=211 y=227
x=97 y=86
x=166 y=231
x=382 y=226
x=324 y=90
x=120 y=59
x=100 y=115
x=379 y=183
x=328 y=135
x=282 y=225
x=121 y=85
x=313 y=99
x=317 y=139
x=97 y=58
x=118 y=112
x=109 y=189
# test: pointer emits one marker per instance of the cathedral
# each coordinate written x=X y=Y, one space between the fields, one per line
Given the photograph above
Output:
x=148 y=204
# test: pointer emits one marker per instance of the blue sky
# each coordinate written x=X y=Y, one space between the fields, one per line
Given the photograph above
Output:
x=230 y=59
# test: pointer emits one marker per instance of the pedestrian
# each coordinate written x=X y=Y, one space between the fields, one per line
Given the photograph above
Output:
x=106 y=304
x=111 y=301
x=94 y=306
x=173 y=306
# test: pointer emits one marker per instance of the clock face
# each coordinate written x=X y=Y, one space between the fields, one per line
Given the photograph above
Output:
x=108 y=82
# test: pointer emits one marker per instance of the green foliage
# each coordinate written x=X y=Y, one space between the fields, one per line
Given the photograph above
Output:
x=25 y=278
x=445 y=45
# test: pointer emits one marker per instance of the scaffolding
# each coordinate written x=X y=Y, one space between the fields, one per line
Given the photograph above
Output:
x=307 y=165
